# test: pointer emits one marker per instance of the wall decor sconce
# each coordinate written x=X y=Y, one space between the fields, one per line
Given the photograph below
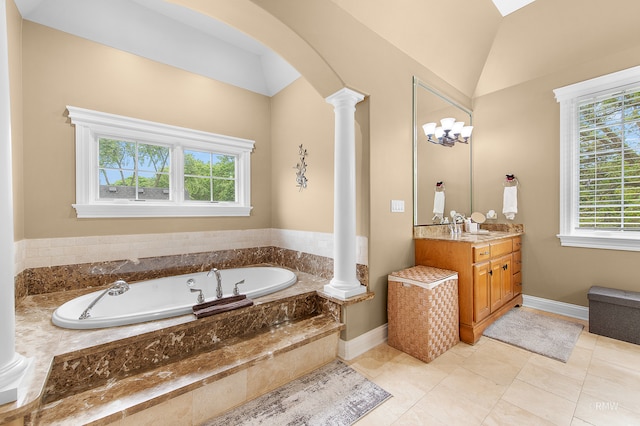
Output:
x=448 y=133
x=301 y=169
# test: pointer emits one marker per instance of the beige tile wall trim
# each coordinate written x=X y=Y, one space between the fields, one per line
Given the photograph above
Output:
x=36 y=253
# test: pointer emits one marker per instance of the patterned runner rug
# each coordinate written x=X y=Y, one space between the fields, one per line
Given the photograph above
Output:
x=333 y=395
x=542 y=334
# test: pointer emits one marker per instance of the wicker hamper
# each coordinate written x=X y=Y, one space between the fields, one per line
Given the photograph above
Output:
x=422 y=310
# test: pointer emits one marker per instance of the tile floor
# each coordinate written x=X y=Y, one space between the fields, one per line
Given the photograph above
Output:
x=492 y=383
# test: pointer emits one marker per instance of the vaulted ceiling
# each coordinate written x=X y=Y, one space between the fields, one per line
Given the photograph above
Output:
x=477 y=46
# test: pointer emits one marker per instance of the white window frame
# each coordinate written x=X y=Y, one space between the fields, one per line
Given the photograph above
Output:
x=569 y=97
x=90 y=126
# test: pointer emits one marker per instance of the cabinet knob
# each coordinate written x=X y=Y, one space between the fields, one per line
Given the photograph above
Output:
x=505 y=266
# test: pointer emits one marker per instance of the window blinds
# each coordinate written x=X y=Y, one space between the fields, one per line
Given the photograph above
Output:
x=609 y=161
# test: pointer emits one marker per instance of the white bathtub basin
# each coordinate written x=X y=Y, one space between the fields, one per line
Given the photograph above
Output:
x=167 y=297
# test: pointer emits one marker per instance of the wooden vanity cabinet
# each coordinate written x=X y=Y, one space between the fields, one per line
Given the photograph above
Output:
x=489 y=277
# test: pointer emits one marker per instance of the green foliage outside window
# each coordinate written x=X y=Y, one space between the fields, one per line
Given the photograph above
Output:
x=609 y=162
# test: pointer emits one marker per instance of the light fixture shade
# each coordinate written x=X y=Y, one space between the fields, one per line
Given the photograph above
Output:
x=439 y=132
x=457 y=127
x=429 y=129
x=466 y=131
x=447 y=123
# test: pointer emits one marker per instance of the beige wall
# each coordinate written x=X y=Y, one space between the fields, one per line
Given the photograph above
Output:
x=299 y=115
x=14 y=37
x=60 y=69
x=518 y=131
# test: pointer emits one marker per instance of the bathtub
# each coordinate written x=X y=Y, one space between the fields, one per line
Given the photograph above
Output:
x=168 y=297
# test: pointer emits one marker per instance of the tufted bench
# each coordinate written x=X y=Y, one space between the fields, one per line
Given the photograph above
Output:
x=614 y=313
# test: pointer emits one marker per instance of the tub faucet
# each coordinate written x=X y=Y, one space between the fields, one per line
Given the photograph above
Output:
x=219 y=279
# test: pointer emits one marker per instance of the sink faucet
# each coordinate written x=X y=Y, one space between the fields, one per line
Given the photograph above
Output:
x=219 y=279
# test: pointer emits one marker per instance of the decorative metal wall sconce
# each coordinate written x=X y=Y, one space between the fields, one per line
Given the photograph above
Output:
x=301 y=169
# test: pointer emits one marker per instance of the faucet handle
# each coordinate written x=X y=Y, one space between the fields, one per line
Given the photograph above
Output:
x=236 y=292
x=200 y=296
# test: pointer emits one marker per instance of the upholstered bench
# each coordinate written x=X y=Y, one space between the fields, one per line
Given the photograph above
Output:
x=614 y=313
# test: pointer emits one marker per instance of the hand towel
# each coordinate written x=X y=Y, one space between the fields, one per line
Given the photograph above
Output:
x=438 y=204
x=510 y=202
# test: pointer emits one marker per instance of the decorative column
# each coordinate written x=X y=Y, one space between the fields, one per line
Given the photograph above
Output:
x=345 y=283
x=12 y=365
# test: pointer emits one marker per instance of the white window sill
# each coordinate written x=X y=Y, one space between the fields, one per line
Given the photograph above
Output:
x=144 y=209
x=628 y=241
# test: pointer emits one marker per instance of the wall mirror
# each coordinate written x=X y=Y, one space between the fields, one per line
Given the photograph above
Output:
x=434 y=163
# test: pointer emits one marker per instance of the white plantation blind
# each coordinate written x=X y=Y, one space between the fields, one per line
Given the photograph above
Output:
x=609 y=160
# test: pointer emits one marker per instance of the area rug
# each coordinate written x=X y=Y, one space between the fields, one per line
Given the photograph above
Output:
x=333 y=395
x=542 y=334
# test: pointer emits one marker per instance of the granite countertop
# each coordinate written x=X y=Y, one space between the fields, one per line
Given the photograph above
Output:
x=492 y=232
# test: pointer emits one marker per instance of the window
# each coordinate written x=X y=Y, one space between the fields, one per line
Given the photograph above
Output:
x=127 y=167
x=600 y=162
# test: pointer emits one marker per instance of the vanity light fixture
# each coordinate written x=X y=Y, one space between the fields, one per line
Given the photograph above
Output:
x=450 y=132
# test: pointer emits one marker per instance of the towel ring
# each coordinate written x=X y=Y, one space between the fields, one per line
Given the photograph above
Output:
x=510 y=180
x=439 y=187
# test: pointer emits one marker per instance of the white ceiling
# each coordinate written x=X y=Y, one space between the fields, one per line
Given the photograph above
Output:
x=509 y=6
x=169 y=34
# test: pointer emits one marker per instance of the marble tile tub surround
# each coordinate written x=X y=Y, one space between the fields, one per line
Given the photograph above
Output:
x=53 y=279
x=45 y=266
x=69 y=357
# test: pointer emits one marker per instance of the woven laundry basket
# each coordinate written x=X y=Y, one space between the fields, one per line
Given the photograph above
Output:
x=422 y=310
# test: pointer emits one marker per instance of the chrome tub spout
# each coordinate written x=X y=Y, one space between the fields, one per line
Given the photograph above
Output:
x=117 y=288
x=219 y=279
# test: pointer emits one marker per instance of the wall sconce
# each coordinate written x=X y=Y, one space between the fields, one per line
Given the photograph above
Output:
x=450 y=132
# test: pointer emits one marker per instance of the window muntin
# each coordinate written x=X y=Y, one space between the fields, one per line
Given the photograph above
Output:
x=133 y=170
x=600 y=161
x=150 y=167
x=209 y=176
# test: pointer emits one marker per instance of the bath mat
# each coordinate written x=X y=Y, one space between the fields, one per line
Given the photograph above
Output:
x=538 y=333
x=333 y=395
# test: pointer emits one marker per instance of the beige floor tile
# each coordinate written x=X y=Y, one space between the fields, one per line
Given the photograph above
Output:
x=447 y=406
x=497 y=361
x=574 y=370
x=473 y=387
x=558 y=384
x=587 y=340
x=613 y=385
x=595 y=411
x=540 y=402
x=618 y=352
x=449 y=361
x=405 y=395
x=419 y=417
x=371 y=362
x=505 y=413
x=412 y=372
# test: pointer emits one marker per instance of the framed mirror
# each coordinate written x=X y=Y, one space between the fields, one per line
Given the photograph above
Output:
x=433 y=162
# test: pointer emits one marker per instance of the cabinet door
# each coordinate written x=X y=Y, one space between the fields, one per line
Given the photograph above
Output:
x=495 y=284
x=481 y=291
x=507 y=278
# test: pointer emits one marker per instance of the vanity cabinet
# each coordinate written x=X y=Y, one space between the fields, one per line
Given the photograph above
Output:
x=489 y=276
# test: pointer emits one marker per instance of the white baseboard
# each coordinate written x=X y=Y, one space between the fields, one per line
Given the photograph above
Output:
x=349 y=349
x=561 y=308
